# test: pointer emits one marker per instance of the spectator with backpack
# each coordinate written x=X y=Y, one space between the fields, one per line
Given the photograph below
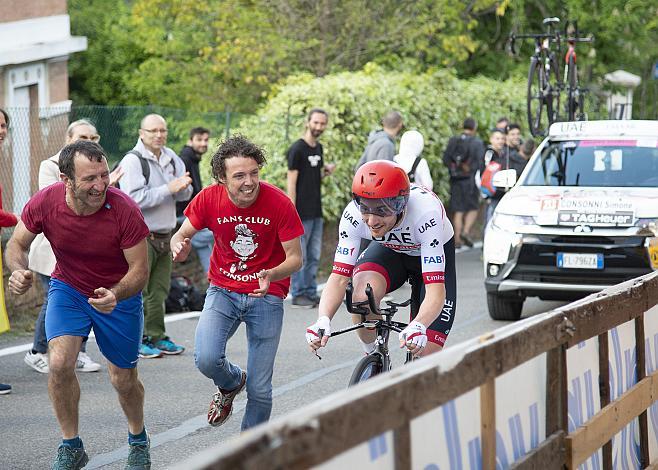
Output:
x=411 y=146
x=155 y=178
x=463 y=158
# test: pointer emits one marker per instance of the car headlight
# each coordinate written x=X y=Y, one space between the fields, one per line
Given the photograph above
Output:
x=510 y=223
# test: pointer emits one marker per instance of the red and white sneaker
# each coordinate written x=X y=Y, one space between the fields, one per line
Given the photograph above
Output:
x=221 y=405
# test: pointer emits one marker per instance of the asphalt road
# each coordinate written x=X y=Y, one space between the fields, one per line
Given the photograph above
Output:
x=177 y=395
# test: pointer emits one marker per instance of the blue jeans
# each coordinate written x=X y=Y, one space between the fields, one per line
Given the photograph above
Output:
x=303 y=281
x=222 y=313
x=40 y=343
x=202 y=242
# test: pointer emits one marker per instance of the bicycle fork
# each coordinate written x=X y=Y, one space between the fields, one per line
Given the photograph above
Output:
x=381 y=348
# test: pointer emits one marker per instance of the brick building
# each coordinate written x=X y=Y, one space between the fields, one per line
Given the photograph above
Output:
x=35 y=44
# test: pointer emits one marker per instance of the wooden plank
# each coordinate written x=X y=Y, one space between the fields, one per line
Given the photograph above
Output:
x=604 y=392
x=610 y=420
x=550 y=454
x=402 y=447
x=641 y=373
x=488 y=424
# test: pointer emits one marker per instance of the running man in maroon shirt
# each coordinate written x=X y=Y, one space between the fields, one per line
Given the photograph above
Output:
x=98 y=236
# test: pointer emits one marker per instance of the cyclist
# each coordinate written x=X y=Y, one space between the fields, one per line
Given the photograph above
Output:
x=414 y=241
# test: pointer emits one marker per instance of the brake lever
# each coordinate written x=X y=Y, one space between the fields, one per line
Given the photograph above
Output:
x=320 y=334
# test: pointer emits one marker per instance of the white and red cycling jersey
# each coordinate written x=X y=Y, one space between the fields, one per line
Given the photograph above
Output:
x=422 y=232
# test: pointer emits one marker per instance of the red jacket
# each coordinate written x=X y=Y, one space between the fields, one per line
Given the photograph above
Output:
x=7 y=219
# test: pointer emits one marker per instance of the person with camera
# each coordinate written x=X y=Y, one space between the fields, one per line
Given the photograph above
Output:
x=464 y=157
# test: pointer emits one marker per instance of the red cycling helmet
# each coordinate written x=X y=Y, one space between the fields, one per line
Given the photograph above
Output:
x=382 y=179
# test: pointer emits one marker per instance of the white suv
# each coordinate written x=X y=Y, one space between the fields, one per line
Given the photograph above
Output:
x=582 y=216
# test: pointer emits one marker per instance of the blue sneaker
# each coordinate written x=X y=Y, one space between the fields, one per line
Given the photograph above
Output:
x=147 y=351
x=139 y=456
x=167 y=346
x=5 y=389
x=69 y=458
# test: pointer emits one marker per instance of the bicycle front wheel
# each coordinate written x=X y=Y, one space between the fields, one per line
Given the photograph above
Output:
x=367 y=367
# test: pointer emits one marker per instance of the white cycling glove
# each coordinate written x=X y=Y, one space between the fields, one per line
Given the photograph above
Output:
x=313 y=332
x=415 y=333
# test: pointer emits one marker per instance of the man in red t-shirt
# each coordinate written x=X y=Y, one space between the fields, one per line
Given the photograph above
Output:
x=257 y=247
x=98 y=236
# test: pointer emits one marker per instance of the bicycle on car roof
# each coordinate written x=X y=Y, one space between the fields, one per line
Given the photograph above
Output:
x=544 y=84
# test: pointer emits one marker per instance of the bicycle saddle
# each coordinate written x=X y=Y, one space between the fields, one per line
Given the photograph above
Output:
x=551 y=21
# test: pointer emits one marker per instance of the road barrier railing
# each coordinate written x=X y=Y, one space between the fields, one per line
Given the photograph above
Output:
x=574 y=385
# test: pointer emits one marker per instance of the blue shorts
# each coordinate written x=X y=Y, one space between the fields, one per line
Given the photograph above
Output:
x=118 y=333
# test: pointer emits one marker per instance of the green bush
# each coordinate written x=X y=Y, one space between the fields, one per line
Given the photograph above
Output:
x=434 y=103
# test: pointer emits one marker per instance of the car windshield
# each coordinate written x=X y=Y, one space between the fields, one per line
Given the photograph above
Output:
x=598 y=163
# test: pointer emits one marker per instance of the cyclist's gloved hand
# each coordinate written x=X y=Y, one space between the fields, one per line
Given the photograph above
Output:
x=414 y=337
x=318 y=333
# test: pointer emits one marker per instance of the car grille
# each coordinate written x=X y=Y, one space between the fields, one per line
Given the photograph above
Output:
x=623 y=258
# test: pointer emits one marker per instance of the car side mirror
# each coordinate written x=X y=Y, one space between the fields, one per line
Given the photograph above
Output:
x=504 y=178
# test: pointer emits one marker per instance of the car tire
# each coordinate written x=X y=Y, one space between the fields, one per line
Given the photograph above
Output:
x=504 y=308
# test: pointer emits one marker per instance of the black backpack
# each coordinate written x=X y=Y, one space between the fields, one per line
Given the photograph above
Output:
x=458 y=159
x=412 y=172
x=183 y=296
x=146 y=169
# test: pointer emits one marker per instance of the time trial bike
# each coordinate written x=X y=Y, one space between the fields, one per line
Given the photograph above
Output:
x=379 y=359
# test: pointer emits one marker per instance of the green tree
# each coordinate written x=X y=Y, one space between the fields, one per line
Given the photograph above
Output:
x=205 y=55
x=98 y=75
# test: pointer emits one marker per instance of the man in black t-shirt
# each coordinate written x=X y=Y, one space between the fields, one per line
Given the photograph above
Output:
x=306 y=169
x=191 y=154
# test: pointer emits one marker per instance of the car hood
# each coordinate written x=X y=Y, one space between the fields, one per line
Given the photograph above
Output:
x=581 y=206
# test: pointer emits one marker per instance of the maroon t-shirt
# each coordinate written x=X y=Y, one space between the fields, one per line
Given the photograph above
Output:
x=246 y=239
x=88 y=248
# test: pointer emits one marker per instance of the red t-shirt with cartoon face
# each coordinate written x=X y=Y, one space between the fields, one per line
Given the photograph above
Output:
x=246 y=239
x=88 y=248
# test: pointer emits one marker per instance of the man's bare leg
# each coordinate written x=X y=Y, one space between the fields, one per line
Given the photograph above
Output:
x=131 y=395
x=63 y=386
x=359 y=283
x=469 y=220
x=458 y=223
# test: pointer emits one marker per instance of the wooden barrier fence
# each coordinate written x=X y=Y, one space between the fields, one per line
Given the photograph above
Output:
x=332 y=425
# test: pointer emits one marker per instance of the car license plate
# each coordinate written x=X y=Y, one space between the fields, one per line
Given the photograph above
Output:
x=580 y=260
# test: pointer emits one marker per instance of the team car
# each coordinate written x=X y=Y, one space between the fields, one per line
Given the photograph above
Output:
x=582 y=216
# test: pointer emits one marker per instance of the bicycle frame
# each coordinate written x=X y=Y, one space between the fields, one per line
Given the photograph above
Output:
x=382 y=326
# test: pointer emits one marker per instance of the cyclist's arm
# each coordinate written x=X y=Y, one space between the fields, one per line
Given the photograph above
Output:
x=433 y=258
x=332 y=295
x=430 y=308
x=351 y=230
